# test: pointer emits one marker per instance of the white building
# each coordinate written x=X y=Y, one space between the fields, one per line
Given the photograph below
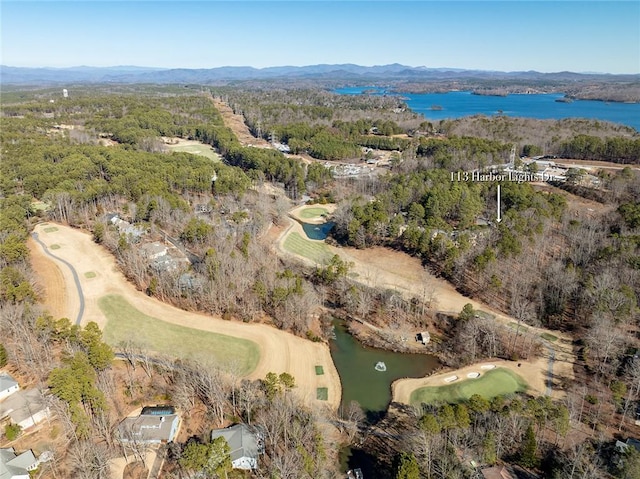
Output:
x=8 y=386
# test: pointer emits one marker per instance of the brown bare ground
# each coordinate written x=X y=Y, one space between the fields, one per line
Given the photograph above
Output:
x=53 y=289
x=236 y=124
x=279 y=351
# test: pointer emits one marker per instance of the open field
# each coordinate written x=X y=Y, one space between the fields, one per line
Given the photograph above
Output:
x=316 y=251
x=491 y=384
x=125 y=322
x=279 y=351
x=193 y=147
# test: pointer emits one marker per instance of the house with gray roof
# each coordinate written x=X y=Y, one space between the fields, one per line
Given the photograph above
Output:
x=26 y=408
x=8 y=385
x=152 y=426
x=14 y=466
x=245 y=445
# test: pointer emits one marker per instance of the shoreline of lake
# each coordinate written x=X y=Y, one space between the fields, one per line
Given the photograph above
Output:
x=543 y=106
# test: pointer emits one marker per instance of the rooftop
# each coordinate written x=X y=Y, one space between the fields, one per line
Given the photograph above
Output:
x=7 y=382
x=242 y=441
x=13 y=465
x=22 y=404
x=149 y=428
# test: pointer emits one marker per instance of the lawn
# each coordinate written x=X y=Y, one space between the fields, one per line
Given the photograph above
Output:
x=489 y=385
x=50 y=229
x=322 y=394
x=197 y=149
x=319 y=370
x=314 y=250
x=126 y=322
x=90 y=274
x=313 y=212
x=55 y=246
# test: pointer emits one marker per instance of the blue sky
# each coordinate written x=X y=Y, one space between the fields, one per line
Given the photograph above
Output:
x=506 y=35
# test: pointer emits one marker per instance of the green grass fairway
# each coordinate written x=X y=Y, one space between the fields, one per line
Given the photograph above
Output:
x=522 y=329
x=55 y=246
x=549 y=337
x=491 y=384
x=90 y=274
x=319 y=370
x=314 y=212
x=202 y=150
x=322 y=394
x=126 y=322
x=315 y=251
x=50 y=229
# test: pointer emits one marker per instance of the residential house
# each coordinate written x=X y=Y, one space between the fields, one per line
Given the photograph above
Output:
x=497 y=472
x=8 y=385
x=153 y=250
x=14 y=466
x=154 y=425
x=245 y=445
x=26 y=408
x=132 y=232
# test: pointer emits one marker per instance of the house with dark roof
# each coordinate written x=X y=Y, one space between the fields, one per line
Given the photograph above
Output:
x=14 y=466
x=245 y=444
x=154 y=425
x=8 y=385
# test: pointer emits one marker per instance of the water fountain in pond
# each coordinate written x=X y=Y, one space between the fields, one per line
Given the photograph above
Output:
x=380 y=366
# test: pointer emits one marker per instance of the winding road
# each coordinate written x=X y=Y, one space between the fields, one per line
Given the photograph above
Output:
x=76 y=278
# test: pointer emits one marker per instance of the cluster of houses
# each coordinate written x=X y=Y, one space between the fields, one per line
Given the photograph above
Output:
x=156 y=425
x=161 y=257
x=24 y=408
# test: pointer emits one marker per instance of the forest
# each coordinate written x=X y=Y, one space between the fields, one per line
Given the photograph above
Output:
x=563 y=257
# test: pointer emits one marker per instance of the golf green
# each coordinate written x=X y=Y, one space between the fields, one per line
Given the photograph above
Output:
x=491 y=384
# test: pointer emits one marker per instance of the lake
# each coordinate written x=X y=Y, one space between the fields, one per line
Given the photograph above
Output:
x=457 y=104
x=356 y=365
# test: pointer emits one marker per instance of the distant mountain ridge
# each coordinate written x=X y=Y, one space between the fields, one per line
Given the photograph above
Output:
x=348 y=71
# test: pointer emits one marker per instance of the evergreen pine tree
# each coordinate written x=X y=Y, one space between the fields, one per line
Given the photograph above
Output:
x=4 y=357
x=529 y=449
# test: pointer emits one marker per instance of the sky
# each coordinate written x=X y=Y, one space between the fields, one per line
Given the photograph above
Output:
x=547 y=36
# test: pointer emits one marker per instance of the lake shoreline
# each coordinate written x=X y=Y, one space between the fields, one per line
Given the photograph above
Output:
x=455 y=104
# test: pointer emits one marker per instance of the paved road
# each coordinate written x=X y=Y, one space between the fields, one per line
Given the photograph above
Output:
x=552 y=358
x=76 y=279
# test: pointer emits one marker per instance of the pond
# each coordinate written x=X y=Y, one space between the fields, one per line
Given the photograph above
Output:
x=362 y=381
x=318 y=231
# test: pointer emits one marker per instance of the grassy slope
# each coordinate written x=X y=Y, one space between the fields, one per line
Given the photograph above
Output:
x=490 y=384
x=125 y=322
x=314 y=250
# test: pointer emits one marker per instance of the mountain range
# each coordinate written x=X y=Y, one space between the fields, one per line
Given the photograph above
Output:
x=135 y=74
